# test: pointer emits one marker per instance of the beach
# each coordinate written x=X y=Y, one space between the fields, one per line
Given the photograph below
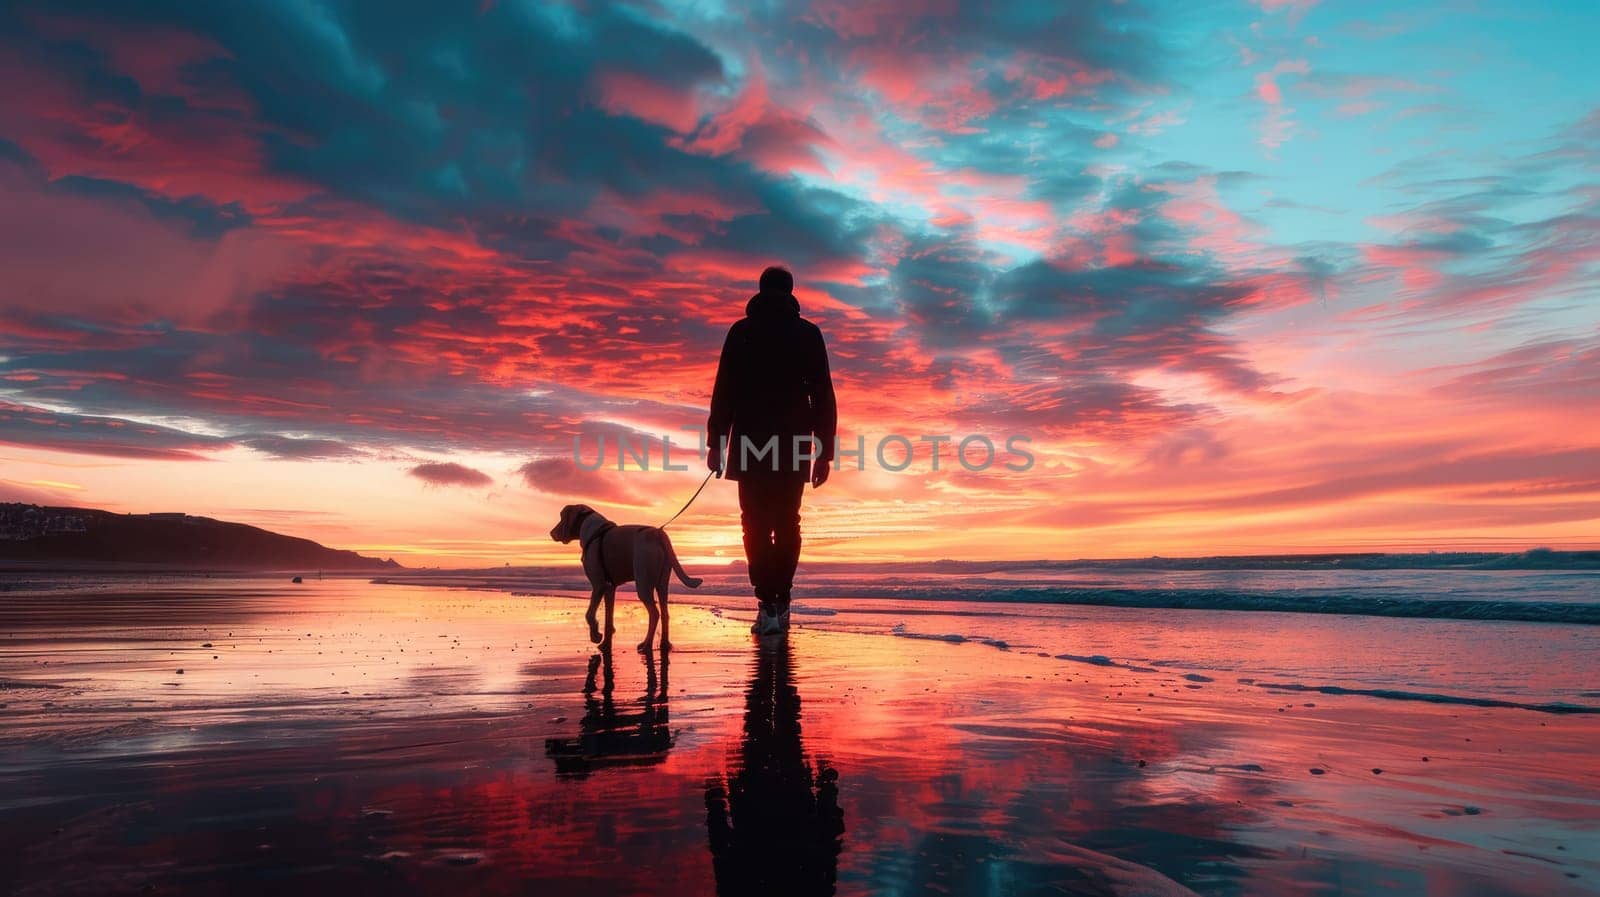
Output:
x=196 y=735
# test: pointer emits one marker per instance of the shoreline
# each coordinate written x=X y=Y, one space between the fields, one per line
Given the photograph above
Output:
x=343 y=733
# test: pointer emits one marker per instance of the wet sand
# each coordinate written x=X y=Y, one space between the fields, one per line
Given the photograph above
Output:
x=343 y=737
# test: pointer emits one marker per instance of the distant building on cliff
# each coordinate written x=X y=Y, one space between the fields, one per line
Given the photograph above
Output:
x=19 y=522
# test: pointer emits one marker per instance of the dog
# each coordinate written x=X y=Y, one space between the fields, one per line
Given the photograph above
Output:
x=613 y=555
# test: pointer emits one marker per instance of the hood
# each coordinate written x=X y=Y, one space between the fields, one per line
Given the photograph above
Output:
x=772 y=305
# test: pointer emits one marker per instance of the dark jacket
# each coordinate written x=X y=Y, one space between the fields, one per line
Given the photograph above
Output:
x=772 y=381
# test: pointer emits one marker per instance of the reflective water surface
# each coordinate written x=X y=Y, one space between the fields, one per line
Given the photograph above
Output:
x=341 y=737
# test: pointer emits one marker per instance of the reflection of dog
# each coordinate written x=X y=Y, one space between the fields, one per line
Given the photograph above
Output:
x=613 y=555
x=607 y=738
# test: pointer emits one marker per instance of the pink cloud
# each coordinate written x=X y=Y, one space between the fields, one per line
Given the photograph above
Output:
x=884 y=20
x=449 y=473
x=626 y=93
x=562 y=478
x=214 y=150
x=1267 y=90
x=28 y=425
x=1296 y=9
x=1266 y=82
x=1277 y=125
x=756 y=126
x=939 y=91
x=111 y=257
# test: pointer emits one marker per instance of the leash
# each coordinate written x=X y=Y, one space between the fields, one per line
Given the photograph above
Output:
x=690 y=501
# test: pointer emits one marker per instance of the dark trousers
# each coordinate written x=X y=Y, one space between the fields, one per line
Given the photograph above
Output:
x=769 y=511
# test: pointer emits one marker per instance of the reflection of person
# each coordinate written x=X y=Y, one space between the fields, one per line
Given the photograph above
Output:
x=773 y=411
x=774 y=824
x=607 y=738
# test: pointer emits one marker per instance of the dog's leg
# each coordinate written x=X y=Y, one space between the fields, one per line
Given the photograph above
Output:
x=611 y=603
x=594 y=605
x=646 y=587
x=661 y=601
x=649 y=569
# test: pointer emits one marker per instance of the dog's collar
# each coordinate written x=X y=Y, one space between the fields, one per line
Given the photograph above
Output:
x=577 y=527
x=598 y=540
x=598 y=534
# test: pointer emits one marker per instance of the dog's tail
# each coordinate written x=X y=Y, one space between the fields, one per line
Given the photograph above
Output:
x=692 y=582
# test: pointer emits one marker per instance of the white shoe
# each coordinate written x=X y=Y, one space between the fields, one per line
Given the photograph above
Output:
x=767 y=624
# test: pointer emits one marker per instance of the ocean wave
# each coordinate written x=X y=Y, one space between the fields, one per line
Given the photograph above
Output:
x=1395 y=694
x=1388 y=599
x=952 y=638
x=1207 y=599
x=1390 y=694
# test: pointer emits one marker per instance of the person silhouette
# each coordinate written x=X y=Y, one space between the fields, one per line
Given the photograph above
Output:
x=608 y=737
x=774 y=824
x=772 y=427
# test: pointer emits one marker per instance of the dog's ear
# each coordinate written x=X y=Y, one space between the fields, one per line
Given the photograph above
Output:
x=568 y=515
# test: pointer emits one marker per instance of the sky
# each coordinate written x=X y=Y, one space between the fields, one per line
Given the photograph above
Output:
x=1249 y=277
